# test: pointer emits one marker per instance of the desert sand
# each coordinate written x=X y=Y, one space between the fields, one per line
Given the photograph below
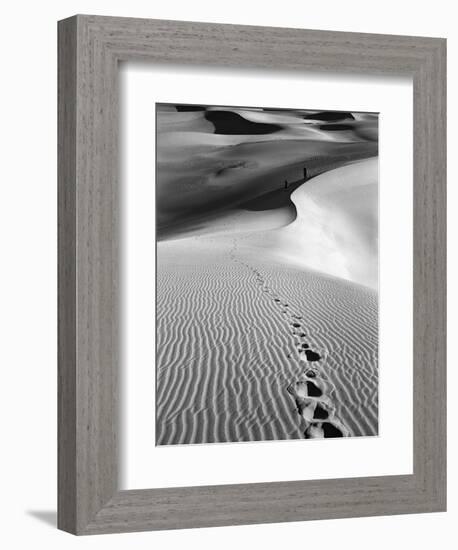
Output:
x=267 y=317
x=210 y=160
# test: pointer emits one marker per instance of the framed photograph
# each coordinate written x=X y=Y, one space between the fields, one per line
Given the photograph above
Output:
x=251 y=256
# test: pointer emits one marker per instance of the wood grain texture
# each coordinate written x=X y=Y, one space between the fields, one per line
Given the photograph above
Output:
x=90 y=48
x=67 y=133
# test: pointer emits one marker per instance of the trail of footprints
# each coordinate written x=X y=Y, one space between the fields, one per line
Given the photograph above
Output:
x=312 y=390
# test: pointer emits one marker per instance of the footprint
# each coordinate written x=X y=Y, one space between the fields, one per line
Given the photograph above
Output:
x=314 y=431
x=313 y=390
x=312 y=355
x=310 y=393
x=306 y=409
x=320 y=413
x=299 y=390
x=324 y=429
x=330 y=430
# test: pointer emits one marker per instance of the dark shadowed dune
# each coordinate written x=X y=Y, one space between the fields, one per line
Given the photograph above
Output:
x=243 y=176
x=189 y=108
x=229 y=123
x=329 y=116
x=278 y=198
x=214 y=158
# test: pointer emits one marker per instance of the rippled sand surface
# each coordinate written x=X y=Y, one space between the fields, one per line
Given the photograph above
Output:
x=254 y=340
x=267 y=274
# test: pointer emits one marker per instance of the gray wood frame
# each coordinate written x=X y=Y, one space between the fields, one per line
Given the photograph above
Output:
x=90 y=48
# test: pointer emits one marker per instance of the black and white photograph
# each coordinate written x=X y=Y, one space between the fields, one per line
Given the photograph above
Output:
x=267 y=274
x=224 y=275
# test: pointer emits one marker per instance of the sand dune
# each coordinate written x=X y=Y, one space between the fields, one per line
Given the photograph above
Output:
x=267 y=298
x=228 y=155
x=251 y=347
x=335 y=230
x=228 y=351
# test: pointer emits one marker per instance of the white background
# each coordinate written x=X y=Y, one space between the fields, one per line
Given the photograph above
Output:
x=388 y=454
x=28 y=272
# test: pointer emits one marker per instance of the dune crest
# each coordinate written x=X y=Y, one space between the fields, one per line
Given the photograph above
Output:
x=336 y=227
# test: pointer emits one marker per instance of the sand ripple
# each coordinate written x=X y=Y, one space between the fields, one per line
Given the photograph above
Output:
x=231 y=361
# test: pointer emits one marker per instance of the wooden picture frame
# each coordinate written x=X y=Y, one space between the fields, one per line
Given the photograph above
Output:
x=90 y=48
